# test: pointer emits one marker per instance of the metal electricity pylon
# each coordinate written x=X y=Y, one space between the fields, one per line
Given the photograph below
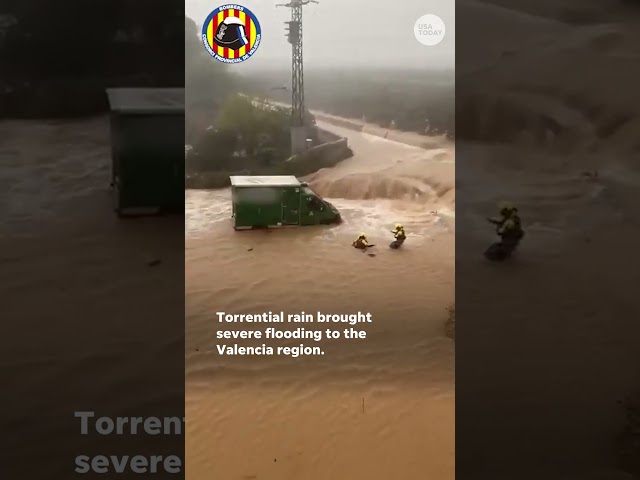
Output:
x=294 y=36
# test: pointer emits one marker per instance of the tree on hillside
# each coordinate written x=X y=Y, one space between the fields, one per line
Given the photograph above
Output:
x=257 y=125
x=247 y=135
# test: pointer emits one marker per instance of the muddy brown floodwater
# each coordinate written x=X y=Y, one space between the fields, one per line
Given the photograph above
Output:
x=377 y=408
x=74 y=278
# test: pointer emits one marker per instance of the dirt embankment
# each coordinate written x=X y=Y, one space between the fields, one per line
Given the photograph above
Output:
x=325 y=155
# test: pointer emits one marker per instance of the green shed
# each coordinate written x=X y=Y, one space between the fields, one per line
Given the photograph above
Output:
x=277 y=201
x=147 y=149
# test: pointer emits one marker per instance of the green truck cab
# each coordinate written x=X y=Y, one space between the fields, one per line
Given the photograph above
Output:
x=277 y=201
x=147 y=149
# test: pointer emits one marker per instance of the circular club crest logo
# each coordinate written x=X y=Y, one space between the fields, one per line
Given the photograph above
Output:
x=231 y=34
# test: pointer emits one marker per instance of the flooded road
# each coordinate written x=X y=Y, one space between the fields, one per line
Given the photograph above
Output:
x=374 y=408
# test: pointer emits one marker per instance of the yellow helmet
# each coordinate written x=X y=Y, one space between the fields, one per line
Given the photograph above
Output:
x=399 y=226
x=362 y=235
x=505 y=206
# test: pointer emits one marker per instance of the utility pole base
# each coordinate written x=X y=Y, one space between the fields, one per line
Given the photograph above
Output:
x=298 y=139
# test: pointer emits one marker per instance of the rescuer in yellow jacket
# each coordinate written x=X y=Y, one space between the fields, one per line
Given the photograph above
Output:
x=508 y=224
x=361 y=242
x=399 y=233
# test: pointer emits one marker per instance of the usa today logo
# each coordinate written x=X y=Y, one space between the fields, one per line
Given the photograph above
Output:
x=429 y=30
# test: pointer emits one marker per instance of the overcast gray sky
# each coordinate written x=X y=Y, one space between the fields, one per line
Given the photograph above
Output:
x=375 y=33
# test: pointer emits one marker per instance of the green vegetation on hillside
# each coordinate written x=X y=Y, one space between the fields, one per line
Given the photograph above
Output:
x=246 y=135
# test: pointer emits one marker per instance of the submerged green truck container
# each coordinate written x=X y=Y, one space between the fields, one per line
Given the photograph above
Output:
x=277 y=201
x=147 y=145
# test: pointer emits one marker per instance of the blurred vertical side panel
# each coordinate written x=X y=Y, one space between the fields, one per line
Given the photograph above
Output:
x=92 y=232
x=548 y=342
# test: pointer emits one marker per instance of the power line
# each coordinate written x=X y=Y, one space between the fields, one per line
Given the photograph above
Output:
x=294 y=36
